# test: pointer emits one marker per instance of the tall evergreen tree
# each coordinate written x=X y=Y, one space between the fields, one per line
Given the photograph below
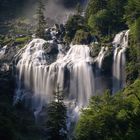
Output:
x=79 y=9
x=41 y=20
x=56 y=118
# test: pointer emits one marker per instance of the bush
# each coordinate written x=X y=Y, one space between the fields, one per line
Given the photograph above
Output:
x=82 y=37
x=111 y=117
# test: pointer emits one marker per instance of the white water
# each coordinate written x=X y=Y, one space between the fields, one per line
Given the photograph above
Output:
x=38 y=81
x=2 y=51
x=120 y=44
x=101 y=56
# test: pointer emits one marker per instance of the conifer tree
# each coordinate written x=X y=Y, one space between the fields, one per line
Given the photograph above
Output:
x=56 y=118
x=40 y=29
x=79 y=9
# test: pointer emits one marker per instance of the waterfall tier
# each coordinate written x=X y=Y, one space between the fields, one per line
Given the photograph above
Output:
x=120 y=44
x=72 y=73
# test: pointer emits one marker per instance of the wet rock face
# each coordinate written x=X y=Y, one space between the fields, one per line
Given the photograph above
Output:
x=4 y=67
x=107 y=63
x=9 y=53
x=55 y=33
x=6 y=79
x=51 y=48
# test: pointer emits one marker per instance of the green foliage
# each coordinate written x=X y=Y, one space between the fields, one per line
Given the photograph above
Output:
x=133 y=53
x=117 y=11
x=132 y=11
x=105 y=17
x=133 y=91
x=111 y=117
x=98 y=21
x=137 y=30
x=94 y=6
x=131 y=63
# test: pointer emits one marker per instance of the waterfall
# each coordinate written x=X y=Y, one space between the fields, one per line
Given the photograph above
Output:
x=73 y=71
x=120 y=44
x=37 y=80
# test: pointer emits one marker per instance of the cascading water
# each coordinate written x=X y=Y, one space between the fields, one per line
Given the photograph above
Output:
x=120 y=44
x=37 y=81
x=2 y=51
x=101 y=56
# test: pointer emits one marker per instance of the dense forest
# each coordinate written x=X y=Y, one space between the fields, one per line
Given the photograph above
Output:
x=107 y=116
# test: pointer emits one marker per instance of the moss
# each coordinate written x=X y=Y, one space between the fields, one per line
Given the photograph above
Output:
x=21 y=40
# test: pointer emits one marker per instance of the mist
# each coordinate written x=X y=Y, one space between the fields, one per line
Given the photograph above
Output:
x=57 y=11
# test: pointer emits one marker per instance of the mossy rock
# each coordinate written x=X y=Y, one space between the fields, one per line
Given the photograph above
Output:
x=22 y=40
x=94 y=50
x=108 y=62
x=7 y=40
x=82 y=37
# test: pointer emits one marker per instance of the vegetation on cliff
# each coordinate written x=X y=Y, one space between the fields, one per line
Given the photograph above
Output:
x=112 y=117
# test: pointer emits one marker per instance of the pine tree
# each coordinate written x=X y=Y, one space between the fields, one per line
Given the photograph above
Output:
x=56 y=118
x=79 y=9
x=40 y=30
